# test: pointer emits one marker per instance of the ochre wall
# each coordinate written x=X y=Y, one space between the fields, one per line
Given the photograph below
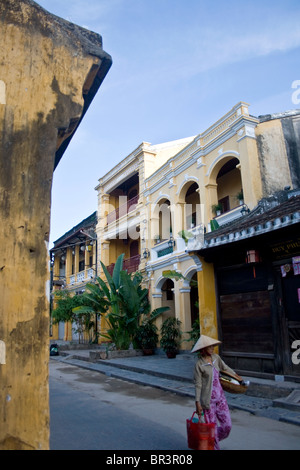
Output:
x=44 y=64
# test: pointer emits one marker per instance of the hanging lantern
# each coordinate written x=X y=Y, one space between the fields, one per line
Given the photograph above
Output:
x=252 y=256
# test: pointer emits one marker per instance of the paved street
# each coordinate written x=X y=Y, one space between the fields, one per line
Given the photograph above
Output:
x=90 y=410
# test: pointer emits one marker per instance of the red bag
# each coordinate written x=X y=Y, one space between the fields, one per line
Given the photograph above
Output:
x=200 y=436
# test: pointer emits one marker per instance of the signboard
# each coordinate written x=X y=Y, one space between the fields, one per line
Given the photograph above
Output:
x=286 y=249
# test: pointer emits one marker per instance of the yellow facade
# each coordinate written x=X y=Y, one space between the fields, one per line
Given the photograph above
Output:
x=177 y=185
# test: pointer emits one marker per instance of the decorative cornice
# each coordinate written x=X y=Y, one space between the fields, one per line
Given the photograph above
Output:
x=237 y=121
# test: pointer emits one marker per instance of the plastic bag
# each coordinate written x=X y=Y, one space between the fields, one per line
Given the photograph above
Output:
x=200 y=436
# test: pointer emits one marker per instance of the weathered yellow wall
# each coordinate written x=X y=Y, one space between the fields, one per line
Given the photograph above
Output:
x=273 y=159
x=44 y=64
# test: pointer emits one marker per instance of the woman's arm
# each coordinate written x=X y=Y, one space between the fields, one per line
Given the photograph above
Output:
x=226 y=368
x=198 y=388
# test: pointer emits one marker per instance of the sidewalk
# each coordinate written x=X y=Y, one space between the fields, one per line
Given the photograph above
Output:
x=279 y=400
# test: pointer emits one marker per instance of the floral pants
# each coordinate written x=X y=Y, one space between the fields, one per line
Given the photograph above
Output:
x=219 y=412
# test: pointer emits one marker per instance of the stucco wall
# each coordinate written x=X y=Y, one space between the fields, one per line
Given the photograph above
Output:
x=278 y=153
x=46 y=66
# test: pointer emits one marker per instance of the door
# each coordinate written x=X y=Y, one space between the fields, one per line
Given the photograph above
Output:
x=247 y=333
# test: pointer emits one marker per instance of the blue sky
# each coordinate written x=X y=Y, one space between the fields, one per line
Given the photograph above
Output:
x=178 y=66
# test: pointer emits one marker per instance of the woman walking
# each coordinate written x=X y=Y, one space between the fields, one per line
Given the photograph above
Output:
x=210 y=397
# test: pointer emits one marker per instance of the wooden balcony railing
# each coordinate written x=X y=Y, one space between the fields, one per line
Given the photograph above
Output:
x=130 y=265
x=123 y=210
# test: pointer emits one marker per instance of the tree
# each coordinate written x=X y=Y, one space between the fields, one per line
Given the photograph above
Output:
x=123 y=300
x=64 y=312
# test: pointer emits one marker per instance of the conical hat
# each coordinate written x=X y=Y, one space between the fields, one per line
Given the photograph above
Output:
x=204 y=342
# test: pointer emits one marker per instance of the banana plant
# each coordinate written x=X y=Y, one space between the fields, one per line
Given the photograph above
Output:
x=124 y=302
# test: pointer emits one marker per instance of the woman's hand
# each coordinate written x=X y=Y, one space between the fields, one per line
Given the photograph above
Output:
x=199 y=408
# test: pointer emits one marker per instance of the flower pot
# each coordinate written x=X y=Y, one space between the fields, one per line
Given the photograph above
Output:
x=148 y=352
x=171 y=354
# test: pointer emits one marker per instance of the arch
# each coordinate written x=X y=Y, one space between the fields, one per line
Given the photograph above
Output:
x=160 y=198
x=161 y=220
x=188 y=274
x=226 y=181
x=159 y=283
x=187 y=182
x=189 y=203
x=215 y=166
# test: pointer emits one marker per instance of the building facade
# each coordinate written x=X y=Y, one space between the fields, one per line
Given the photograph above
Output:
x=73 y=265
x=162 y=204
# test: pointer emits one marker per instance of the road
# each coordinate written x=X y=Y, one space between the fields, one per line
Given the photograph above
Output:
x=91 y=411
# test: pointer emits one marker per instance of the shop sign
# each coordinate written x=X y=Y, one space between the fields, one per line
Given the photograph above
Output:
x=285 y=249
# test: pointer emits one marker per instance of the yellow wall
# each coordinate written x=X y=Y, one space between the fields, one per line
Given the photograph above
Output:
x=166 y=172
x=44 y=65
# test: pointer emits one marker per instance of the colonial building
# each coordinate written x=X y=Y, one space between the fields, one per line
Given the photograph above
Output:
x=73 y=265
x=162 y=204
x=210 y=174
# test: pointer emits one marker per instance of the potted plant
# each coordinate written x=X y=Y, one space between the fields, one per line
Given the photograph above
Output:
x=170 y=336
x=217 y=208
x=147 y=337
x=157 y=239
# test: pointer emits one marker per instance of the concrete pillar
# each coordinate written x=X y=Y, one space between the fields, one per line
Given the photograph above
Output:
x=185 y=314
x=50 y=71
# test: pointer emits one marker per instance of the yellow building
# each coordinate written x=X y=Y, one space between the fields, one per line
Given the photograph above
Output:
x=159 y=191
x=218 y=167
x=73 y=261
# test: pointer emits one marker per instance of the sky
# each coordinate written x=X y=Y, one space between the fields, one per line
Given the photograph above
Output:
x=178 y=66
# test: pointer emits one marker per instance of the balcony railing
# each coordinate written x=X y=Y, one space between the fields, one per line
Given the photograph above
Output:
x=230 y=215
x=82 y=276
x=130 y=265
x=124 y=209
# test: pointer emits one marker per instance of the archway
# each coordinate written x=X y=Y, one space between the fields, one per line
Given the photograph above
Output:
x=168 y=298
x=161 y=221
x=226 y=176
x=189 y=199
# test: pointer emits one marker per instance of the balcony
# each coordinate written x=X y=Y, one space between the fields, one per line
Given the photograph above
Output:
x=164 y=248
x=125 y=209
x=130 y=265
x=230 y=216
x=82 y=276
